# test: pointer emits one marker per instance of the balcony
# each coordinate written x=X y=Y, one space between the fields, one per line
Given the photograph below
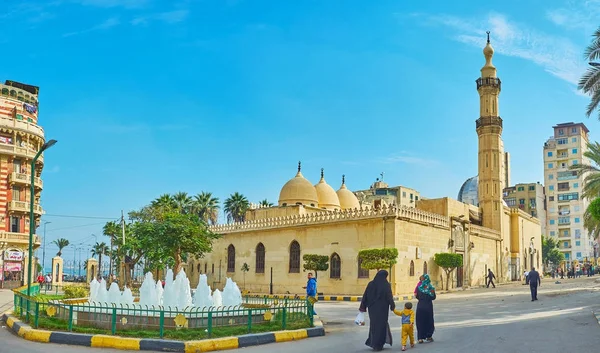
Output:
x=23 y=206
x=18 y=238
x=25 y=179
x=19 y=151
x=568 y=247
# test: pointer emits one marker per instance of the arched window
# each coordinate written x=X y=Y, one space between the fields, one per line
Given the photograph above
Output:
x=335 y=268
x=412 y=268
x=260 y=258
x=231 y=258
x=198 y=268
x=294 y=257
x=206 y=268
x=425 y=267
x=362 y=273
x=213 y=268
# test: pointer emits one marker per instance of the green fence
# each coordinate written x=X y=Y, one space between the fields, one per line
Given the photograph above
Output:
x=78 y=315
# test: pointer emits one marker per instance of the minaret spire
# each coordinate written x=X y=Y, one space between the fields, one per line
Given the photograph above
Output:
x=488 y=36
x=299 y=166
x=343 y=179
x=322 y=173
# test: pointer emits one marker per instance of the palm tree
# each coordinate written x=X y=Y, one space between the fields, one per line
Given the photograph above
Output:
x=265 y=203
x=61 y=243
x=100 y=249
x=206 y=207
x=591 y=182
x=236 y=206
x=589 y=83
x=164 y=201
x=183 y=202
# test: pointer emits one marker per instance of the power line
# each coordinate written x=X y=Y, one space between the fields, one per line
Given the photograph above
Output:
x=87 y=217
x=71 y=227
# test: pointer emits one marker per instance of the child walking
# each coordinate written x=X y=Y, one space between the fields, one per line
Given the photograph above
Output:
x=408 y=324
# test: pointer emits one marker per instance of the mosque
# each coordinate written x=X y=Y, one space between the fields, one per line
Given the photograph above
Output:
x=316 y=219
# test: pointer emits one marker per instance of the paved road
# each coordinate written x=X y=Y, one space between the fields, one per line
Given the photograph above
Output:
x=484 y=320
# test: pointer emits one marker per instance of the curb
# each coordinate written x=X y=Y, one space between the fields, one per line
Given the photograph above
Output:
x=146 y=344
x=324 y=298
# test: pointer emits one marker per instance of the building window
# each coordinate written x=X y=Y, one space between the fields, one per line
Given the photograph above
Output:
x=16 y=193
x=566 y=244
x=213 y=268
x=550 y=176
x=550 y=166
x=567 y=255
x=336 y=266
x=294 y=257
x=206 y=268
x=551 y=187
x=549 y=154
x=561 y=132
x=551 y=221
x=576 y=208
x=425 y=267
x=578 y=243
x=411 y=270
x=15 y=224
x=562 y=141
x=521 y=201
x=550 y=198
x=574 y=139
x=552 y=233
x=531 y=187
x=574 y=130
x=404 y=194
x=575 y=162
x=231 y=258
x=362 y=273
x=521 y=188
x=576 y=219
x=575 y=185
x=577 y=233
x=578 y=255
x=568 y=197
x=574 y=151
x=566 y=232
x=260 y=258
x=197 y=268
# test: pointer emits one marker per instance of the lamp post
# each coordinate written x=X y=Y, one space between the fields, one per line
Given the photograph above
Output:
x=31 y=216
x=44 y=248
x=3 y=246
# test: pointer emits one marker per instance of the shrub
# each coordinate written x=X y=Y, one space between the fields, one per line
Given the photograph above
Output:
x=75 y=292
x=377 y=259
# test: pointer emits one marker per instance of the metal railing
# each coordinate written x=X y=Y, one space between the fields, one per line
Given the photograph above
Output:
x=255 y=314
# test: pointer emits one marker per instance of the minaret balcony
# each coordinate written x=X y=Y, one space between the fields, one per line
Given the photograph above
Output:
x=489 y=82
x=24 y=179
x=488 y=121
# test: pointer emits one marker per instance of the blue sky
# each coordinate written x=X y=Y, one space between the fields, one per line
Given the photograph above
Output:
x=148 y=97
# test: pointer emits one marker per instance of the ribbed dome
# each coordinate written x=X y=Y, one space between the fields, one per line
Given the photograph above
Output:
x=298 y=191
x=469 y=191
x=328 y=199
x=347 y=197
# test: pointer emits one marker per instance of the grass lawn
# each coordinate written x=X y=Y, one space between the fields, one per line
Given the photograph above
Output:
x=299 y=321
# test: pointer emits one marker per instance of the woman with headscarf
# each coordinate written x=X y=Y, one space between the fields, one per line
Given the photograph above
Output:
x=426 y=296
x=379 y=301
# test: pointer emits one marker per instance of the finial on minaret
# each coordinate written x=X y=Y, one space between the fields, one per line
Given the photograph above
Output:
x=322 y=173
x=343 y=179
x=488 y=36
x=299 y=166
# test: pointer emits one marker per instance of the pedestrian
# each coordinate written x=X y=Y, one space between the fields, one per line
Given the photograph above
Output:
x=490 y=278
x=418 y=284
x=408 y=324
x=534 y=282
x=48 y=282
x=425 y=323
x=526 y=275
x=311 y=290
x=379 y=301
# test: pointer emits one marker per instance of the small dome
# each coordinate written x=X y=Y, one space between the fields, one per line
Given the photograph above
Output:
x=328 y=199
x=298 y=190
x=347 y=198
x=469 y=191
x=488 y=50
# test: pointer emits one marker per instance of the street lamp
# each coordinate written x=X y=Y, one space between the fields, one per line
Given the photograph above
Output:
x=44 y=248
x=31 y=217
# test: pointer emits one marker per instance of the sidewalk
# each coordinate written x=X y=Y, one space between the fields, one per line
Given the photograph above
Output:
x=6 y=300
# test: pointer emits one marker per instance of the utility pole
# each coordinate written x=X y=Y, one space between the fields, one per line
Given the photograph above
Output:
x=44 y=249
x=123 y=266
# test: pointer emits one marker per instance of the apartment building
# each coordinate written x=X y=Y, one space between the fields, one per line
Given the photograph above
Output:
x=530 y=198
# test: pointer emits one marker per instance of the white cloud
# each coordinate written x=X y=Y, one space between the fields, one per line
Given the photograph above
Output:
x=407 y=158
x=557 y=55
x=169 y=17
x=128 y=4
x=109 y=23
x=54 y=169
x=576 y=15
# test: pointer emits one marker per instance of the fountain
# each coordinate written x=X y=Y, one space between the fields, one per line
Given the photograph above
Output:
x=231 y=294
x=114 y=294
x=101 y=292
x=217 y=298
x=202 y=296
x=94 y=285
x=147 y=291
x=127 y=296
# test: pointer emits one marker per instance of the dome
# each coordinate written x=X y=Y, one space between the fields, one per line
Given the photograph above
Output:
x=347 y=198
x=327 y=197
x=469 y=191
x=298 y=190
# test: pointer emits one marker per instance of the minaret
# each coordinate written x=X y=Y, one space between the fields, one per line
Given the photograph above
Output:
x=491 y=148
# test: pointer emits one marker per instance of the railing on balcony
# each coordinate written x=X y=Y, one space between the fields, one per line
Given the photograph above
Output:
x=25 y=179
x=22 y=125
x=11 y=237
x=19 y=151
x=23 y=206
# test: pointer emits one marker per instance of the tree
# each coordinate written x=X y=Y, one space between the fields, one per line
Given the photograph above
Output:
x=594 y=209
x=590 y=81
x=314 y=262
x=245 y=269
x=448 y=261
x=265 y=203
x=550 y=252
x=376 y=259
x=39 y=268
x=100 y=249
x=206 y=207
x=236 y=206
x=183 y=202
x=591 y=172
x=61 y=244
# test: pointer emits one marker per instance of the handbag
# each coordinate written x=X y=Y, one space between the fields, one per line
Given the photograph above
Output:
x=360 y=319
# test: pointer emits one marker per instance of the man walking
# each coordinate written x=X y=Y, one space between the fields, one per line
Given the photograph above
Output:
x=534 y=282
x=490 y=278
x=311 y=290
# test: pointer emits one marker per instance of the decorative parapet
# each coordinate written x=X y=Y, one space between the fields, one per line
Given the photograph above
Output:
x=485 y=232
x=406 y=213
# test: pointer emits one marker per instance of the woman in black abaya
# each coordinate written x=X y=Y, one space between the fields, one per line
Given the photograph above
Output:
x=379 y=301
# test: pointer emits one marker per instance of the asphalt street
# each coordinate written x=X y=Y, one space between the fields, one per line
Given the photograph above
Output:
x=483 y=320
